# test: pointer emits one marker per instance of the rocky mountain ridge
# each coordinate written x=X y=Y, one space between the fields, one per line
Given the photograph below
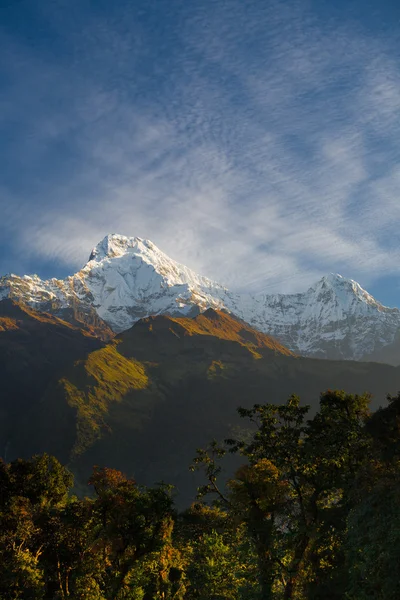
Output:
x=127 y=279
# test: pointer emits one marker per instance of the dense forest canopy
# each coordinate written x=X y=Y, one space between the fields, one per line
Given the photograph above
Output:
x=312 y=513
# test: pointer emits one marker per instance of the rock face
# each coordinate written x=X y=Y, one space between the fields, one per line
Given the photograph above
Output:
x=127 y=279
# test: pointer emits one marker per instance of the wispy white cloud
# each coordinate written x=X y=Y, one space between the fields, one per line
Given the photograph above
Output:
x=265 y=156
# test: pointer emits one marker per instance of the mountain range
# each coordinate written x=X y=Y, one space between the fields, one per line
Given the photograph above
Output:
x=135 y=361
x=127 y=279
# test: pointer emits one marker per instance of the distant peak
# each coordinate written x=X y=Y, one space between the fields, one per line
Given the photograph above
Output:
x=343 y=288
x=113 y=245
x=334 y=278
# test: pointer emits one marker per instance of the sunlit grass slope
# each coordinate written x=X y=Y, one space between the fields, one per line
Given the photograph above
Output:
x=215 y=324
x=105 y=377
x=144 y=402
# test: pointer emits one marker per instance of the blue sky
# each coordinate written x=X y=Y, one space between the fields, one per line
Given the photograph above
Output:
x=257 y=142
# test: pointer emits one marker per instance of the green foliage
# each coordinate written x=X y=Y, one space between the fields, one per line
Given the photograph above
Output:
x=215 y=572
x=21 y=575
x=30 y=489
x=373 y=538
x=43 y=480
x=312 y=513
x=116 y=545
x=295 y=492
x=384 y=427
x=221 y=559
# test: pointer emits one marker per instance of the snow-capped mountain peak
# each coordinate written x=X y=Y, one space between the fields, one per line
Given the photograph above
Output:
x=115 y=245
x=127 y=278
x=125 y=252
x=346 y=290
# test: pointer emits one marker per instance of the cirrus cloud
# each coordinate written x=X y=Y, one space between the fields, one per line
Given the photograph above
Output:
x=255 y=142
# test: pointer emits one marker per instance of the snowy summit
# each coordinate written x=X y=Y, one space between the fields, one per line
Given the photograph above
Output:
x=127 y=278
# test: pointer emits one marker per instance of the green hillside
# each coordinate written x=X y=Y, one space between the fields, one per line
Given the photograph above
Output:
x=145 y=401
x=35 y=350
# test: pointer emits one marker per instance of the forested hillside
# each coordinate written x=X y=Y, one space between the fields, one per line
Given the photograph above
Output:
x=143 y=401
x=311 y=513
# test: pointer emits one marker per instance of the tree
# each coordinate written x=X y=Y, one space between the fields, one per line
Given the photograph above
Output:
x=292 y=494
x=373 y=541
x=27 y=488
x=258 y=496
x=42 y=479
x=21 y=575
x=132 y=524
x=72 y=565
x=384 y=428
x=221 y=562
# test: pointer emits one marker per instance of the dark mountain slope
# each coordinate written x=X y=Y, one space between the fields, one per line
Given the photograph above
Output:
x=210 y=330
x=145 y=401
x=35 y=349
